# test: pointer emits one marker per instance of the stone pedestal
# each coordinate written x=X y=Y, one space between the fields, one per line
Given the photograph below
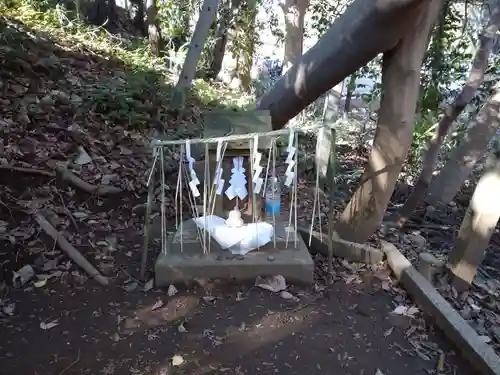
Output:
x=294 y=263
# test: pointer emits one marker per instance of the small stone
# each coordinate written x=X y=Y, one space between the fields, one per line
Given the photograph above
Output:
x=270 y=258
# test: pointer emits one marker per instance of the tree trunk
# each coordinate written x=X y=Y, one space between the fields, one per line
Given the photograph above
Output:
x=112 y=16
x=400 y=88
x=138 y=21
x=101 y=12
x=220 y=44
x=206 y=17
x=477 y=226
x=218 y=54
x=154 y=31
x=351 y=86
x=476 y=77
x=354 y=39
x=294 y=12
x=78 y=9
x=445 y=186
x=246 y=44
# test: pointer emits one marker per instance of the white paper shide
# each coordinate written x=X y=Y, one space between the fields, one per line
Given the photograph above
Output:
x=239 y=240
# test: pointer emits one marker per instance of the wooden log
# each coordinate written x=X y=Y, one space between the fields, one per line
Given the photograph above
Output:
x=353 y=40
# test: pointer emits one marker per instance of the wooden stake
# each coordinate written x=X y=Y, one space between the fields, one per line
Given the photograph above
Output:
x=477 y=226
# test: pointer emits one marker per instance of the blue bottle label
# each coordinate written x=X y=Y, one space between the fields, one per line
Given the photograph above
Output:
x=273 y=206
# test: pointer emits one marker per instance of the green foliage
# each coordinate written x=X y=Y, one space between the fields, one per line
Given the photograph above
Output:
x=126 y=85
x=324 y=12
x=174 y=17
x=213 y=96
x=448 y=57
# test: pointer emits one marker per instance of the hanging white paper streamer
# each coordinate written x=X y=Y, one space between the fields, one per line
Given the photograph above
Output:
x=218 y=172
x=193 y=184
x=257 y=168
x=237 y=183
x=290 y=171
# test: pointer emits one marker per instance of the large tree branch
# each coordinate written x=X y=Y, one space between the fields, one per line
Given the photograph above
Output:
x=353 y=40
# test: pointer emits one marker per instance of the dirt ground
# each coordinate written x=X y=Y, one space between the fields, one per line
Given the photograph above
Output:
x=221 y=328
x=71 y=325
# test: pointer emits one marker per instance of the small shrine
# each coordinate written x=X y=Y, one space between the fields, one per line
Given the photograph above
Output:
x=239 y=226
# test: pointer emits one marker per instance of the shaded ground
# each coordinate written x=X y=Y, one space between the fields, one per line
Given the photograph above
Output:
x=231 y=329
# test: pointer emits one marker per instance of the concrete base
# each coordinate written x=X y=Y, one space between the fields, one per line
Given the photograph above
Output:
x=295 y=264
x=474 y=348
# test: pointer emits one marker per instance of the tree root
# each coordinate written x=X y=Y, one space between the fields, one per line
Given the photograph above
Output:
x=78 y=183
x=74 y=254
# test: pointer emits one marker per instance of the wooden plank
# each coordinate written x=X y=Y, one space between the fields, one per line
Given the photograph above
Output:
x=325 y=157
x=218 y=123
x=353 y=252
x=473 y=348
x=477 y=226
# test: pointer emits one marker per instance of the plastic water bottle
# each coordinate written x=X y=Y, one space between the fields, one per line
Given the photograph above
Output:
x=273 y=196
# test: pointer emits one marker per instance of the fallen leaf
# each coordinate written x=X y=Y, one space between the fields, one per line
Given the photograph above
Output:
x=83 y=157
x=412 y=311
x=208 y=298
x=130 y=286
x=177 y=360
x=400 y=310
x=273 y=284
x=181 y=328
x=388 y=332
x=240 y=296
x=125 y=151
x=80 y=215
x=9 y=309
x=149 y=285
x=46 y=326
x=287 y=295
x=23 y=275
x=172 y=290
x=405 y=310
x=440 y=364
x=157 y=305
x=40 y=283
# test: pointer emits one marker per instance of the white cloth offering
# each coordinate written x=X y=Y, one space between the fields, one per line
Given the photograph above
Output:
x=240 y=240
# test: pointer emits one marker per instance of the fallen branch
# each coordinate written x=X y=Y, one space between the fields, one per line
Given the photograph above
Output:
x=39 y=172
x=74 y=254
x=77 y=182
